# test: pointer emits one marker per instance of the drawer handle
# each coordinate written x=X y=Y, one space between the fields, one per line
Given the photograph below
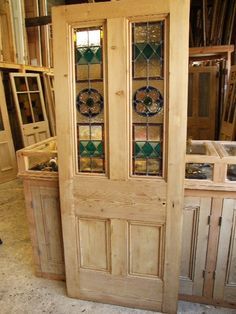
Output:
x=35 y=127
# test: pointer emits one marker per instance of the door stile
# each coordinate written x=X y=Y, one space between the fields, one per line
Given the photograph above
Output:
x=117 y=98
x=178 y=84
x=64 y=121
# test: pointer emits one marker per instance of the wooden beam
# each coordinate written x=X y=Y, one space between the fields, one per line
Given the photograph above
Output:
x=38 y=21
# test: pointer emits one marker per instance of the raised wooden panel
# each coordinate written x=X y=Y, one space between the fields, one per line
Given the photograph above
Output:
x=6 y=162
x=42 y=136
x=30 y=139
x=189 y=241
x=46 y=209
x=194 y=244
x=145 y=249
x=225 y=282
x=94 y=243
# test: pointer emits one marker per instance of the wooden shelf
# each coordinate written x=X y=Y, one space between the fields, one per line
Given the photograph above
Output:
x=23 y=68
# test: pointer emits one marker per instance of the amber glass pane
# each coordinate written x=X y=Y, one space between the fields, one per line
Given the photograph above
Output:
x=89 y=100
x=20 y=83
x=25 y=108
x=32 y=83
x=37 y=107
x=148 y=97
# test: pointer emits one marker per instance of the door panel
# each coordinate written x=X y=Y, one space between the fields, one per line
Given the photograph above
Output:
x=202 y=102
x=194 y=244
x=225 y=280
x=8 y=168
x=122 y=192
x=30 y=107
x=45 y=205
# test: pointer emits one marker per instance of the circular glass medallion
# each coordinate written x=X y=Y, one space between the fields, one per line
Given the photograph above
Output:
x=89 y=102
x=148 y=101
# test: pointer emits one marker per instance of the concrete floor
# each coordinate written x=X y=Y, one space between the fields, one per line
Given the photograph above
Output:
x=23 y=293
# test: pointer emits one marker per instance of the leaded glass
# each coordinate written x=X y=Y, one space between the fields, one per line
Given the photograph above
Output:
x=88 y=54
x=148 y=97
x=148 y=53
x=89 y=100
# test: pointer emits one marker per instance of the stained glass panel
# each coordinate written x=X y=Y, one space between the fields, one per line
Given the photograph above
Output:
x=148 y=53
x=88 y=54
x=89 y=100
x=148 y=97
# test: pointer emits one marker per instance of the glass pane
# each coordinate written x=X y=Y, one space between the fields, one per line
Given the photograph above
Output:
x=89 y=99
x=37 y=107
x=190 y=95
x=228 y=102
x=148 y=50
x=231 y=172
x=230 y=149
x=1 y=122
x=204 y=94
x=32 y=83
x=148 y=97
x=25 y=109
x=199 y=171
x=232 y=116
x=20 y=84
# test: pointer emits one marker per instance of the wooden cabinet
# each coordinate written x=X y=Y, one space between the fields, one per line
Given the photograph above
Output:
x=43 y=207
x=208 y=272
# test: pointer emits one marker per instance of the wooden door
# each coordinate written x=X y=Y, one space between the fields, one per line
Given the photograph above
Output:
x=225 y=275
x=202 y=102
x=30 y=107
x=228 y=122
x=121 y=119
x=8 y=167
x=194 y=245
x=7 y=42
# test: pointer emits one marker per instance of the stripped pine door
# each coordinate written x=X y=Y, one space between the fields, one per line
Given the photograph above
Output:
x=30 y=107
x=8 y=168
x=202 y=102
x=119 y=110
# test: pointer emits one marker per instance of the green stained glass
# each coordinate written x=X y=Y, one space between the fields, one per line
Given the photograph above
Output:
x=88 y=55
x=148 y=51
x=147 y=149
x=90 y=148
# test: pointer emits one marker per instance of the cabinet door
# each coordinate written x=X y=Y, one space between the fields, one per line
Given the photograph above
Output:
x=194 y=244
x=46 y=229
x=30 y=107
x=225 y=278
x=121 y=193
x=8 y=168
